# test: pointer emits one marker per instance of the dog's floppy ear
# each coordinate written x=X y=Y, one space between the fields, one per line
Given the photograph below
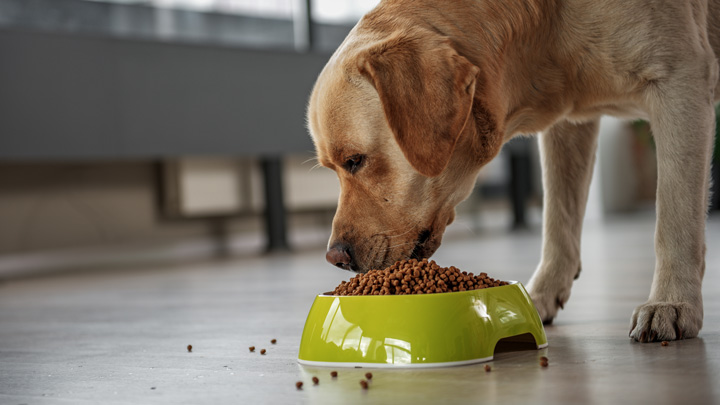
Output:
x=426 y=89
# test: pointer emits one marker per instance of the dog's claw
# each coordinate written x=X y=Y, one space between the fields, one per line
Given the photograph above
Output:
x=653 y=335
x=643 y=336
x=680 y=333
x=560 y=303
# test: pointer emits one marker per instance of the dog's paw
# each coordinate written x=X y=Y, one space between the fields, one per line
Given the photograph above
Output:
x=657 y=321
x=548 y=299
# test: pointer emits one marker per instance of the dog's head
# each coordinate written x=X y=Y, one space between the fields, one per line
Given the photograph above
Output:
x=405 y=123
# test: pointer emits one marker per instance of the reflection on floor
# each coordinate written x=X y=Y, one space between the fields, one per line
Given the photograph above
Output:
x=120 y=335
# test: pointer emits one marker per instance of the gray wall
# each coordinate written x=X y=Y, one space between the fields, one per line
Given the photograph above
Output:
x=67 y=96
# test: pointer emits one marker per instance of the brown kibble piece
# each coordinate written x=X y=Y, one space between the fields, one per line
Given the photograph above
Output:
x=368 y=376
x=299 y=385
x=316 y=380
x=545 y=359
x=333 y=374
x=544 y=363
x=273 y=341
x=665 y=343
x=488 y=368
x=262 y=351
x=364 y=384
x=190 y=348
x=252 y=348
x=415 y=277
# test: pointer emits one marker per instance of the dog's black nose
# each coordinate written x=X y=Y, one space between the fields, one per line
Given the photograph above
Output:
x=340 y=256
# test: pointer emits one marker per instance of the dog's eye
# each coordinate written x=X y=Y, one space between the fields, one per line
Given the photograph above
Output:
x=353 y=163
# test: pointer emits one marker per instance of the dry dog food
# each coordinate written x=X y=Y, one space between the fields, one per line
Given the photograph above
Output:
x=262 y=351
x=333 y=374
x=368 y=376
x=316 y=380
x=415 y=277
x=544 y=361
x=273 y=341
x=190 y=348
x=488 y=368
x=665 y=343
x=252 y=348
x=364 y=384
x=299 y=385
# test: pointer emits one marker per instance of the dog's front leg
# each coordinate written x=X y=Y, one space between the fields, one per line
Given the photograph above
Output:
x=567 y=153
x=683 y=122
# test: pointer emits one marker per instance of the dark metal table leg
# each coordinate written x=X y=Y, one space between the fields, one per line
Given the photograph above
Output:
x=520 y=186
x=275 y=222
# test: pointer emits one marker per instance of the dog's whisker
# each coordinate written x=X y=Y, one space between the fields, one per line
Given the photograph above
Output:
x=400 y=234
x=468 y=228
x=410 y=229
x=314 y=158
x=400 y=244
x=315 y=166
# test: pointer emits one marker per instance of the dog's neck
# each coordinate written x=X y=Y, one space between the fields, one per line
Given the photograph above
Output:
x=507 y=39
x=510 y=44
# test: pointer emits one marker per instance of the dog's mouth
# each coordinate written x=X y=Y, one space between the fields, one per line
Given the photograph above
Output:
x=425 y=246
x=422 y=249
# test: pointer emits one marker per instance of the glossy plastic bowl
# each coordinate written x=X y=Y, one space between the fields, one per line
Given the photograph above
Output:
x=427 y=330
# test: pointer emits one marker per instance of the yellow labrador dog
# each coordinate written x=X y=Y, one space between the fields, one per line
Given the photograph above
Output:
x=422 y=93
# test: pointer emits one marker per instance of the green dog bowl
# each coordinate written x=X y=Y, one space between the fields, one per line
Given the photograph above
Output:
x=428 y=330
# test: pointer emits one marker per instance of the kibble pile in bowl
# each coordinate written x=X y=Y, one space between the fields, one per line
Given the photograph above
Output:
x=415 y=277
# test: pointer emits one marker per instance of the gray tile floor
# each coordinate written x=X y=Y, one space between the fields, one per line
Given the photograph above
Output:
x=119 y=335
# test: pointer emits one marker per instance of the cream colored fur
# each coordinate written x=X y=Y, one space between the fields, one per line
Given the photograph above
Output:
x=423 y=93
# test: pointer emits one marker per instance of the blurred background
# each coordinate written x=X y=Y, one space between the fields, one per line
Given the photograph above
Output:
x=136 y=131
